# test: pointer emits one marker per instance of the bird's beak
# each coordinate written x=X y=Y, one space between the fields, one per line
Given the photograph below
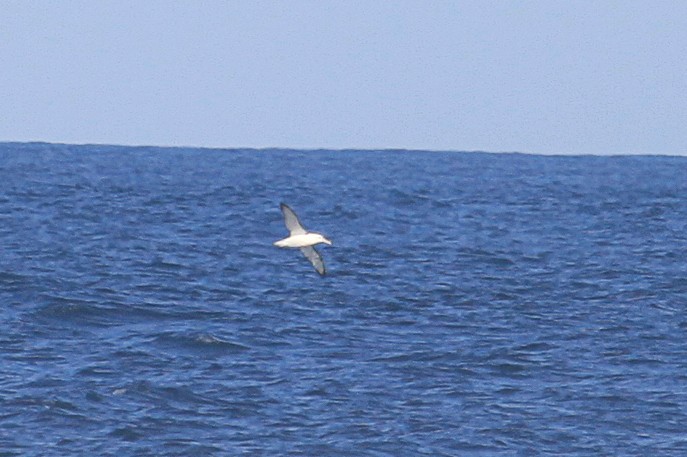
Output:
x=327 y=241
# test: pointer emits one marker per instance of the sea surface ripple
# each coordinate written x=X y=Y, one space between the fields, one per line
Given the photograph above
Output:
x=476 y=304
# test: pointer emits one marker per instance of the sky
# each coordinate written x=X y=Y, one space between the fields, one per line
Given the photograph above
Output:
x=546 y=77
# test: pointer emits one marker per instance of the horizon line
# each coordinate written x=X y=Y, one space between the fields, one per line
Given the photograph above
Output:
x=346 y=149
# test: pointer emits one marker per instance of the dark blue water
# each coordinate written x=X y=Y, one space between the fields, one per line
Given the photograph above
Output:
x=475 y=304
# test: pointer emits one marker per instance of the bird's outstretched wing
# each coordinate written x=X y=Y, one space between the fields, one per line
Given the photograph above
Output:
x=291 y=221
x=311 y=254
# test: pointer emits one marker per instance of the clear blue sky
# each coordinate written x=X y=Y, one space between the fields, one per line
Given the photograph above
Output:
x=531 y=76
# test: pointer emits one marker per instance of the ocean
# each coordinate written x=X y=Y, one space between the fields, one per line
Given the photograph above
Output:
x=474 y=304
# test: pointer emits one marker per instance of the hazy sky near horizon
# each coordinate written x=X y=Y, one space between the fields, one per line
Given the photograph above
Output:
x=564 y=77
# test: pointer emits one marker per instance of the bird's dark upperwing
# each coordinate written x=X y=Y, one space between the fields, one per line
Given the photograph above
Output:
x=291 y=220
x=311 y=254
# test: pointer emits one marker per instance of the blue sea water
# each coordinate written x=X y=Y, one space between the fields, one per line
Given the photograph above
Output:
x=475 y=304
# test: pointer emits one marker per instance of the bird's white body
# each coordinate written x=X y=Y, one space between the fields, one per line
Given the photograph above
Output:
x=301 y=241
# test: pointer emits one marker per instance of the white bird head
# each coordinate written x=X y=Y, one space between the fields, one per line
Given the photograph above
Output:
x=324 y=240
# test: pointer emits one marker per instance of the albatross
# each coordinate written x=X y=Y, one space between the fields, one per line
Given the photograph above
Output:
x=300 y=238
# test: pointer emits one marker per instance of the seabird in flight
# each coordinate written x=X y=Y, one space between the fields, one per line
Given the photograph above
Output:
x=300 y=238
